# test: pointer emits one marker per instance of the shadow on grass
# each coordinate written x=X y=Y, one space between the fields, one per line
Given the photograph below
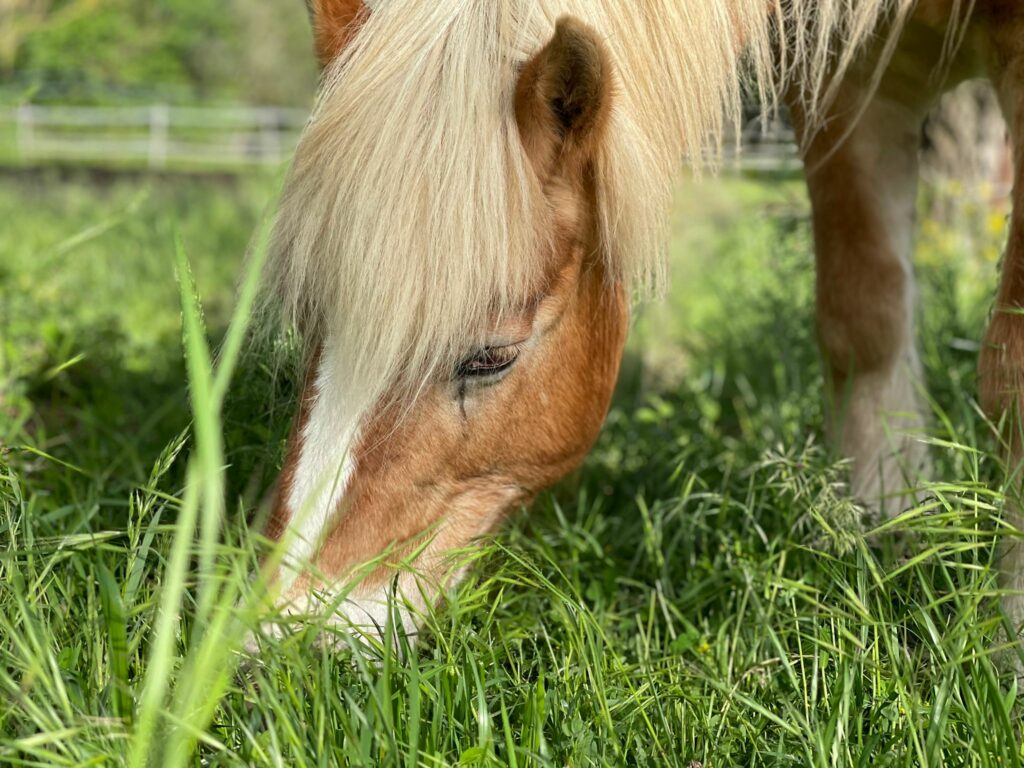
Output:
x=98 y=421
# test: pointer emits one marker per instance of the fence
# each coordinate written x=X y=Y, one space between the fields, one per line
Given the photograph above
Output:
x=157 y=136
x=165 y=137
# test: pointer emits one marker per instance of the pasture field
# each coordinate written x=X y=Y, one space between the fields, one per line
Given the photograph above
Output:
x=700 y=593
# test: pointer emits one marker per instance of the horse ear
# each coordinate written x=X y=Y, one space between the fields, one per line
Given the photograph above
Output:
x=334 y=23
x=564 y=95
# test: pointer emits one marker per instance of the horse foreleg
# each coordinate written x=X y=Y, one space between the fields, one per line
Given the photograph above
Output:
x=862 y=175
x=1001 y=363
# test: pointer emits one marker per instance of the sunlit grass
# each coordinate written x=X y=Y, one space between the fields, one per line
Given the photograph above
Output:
x=701 y=593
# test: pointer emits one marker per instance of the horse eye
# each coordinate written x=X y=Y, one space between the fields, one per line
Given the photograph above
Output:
x=488 y=362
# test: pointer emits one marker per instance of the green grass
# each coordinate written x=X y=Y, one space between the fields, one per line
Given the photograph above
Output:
x=700 y=593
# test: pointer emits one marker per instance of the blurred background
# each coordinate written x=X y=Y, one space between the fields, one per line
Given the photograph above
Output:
x=116 y=52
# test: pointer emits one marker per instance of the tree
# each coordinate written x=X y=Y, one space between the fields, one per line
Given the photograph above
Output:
x=89 y=51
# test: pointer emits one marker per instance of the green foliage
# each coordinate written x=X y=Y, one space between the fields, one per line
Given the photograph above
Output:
x=702 y=593
x=100 y=51
x=86 y=51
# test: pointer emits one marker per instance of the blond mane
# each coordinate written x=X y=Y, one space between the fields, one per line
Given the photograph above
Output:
x=411 y=216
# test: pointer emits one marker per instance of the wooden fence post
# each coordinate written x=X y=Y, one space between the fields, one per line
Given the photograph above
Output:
x=270 y=136
x=26 y=140
x=159 y=124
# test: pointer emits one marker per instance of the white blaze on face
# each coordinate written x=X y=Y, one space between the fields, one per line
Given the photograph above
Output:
x=325 y=467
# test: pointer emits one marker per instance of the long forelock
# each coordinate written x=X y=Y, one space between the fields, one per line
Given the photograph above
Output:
x=411 y=216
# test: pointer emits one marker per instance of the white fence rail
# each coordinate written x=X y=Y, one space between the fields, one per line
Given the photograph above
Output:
x=161 y=136
x=157 y=136
x=764 y=149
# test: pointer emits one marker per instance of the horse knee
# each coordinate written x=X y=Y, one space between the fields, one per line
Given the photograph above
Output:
x=864 y=323
x=1001 y=364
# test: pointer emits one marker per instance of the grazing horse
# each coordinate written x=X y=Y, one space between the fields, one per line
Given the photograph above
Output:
x=482 y=187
